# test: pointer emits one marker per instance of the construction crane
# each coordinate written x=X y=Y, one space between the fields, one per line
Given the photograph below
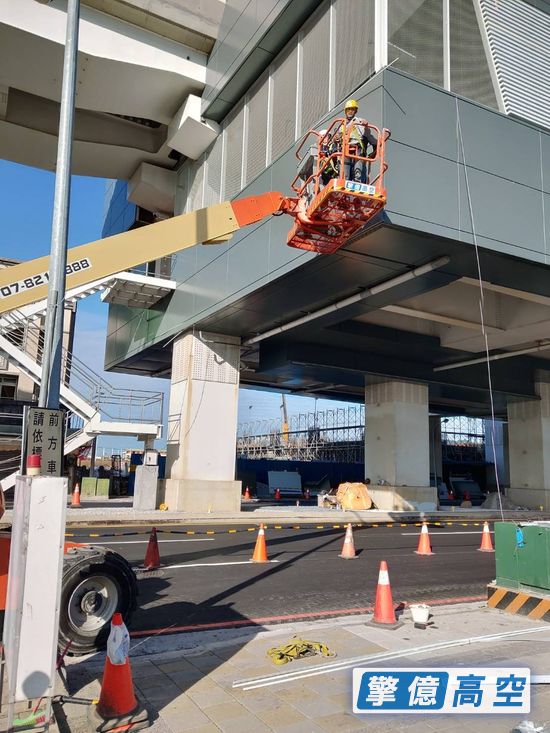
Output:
x=327 y=210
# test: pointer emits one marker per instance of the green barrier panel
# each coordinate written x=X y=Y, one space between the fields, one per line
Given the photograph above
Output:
x=88 y=487
x=523 y=564
x=103 y=485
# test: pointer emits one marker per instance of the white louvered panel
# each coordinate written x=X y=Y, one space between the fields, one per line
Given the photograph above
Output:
x=354 y=45
x=315 y=70
x=212 y=191
x=519 y=38
x=196 y=180
x=234 y=152
x=284 y=102
x=257 y=129
x=470 y=75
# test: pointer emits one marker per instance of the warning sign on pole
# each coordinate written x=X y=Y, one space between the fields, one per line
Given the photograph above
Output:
x=44 y=437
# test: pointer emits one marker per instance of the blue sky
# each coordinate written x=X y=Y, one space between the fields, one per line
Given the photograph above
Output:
x=26 y=215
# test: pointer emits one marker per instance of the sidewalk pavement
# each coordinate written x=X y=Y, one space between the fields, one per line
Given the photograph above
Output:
x=186 y=680
x=98 y=512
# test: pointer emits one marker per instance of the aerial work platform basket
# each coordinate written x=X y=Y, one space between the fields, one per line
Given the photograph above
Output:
x=339 y=187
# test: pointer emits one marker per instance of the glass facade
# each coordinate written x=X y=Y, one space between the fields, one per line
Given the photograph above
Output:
x=118 y=213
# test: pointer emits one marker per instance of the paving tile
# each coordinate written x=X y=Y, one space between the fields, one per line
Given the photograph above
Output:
x=208 y=728
x=303 y=726
x=225 y=711
x=182 y=717
x=206 y=698
x=339 y=723
x=176 y=665
x=295 y=694
x=244 y=724
x=256 y=700
x=282 y=715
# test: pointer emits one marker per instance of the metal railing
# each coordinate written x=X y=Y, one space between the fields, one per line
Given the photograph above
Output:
x=113 y=403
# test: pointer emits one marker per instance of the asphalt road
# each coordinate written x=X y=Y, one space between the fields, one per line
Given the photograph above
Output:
x=207 y=578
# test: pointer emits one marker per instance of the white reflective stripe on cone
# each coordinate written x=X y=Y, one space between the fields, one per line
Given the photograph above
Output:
x=383 y=578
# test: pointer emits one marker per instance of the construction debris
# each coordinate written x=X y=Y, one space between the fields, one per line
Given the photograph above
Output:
x=297 y=649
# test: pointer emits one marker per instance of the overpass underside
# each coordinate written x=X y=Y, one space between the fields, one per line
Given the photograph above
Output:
x=456 y=267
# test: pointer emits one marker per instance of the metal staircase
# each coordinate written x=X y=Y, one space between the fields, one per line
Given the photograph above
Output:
x=95 y=406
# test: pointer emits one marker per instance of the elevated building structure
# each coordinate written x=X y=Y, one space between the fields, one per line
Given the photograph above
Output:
x=462 y=322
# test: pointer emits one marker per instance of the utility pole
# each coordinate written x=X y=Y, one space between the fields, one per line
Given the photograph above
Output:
x=53 y=332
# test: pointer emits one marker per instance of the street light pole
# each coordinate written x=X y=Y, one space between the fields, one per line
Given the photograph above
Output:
x=53 y=331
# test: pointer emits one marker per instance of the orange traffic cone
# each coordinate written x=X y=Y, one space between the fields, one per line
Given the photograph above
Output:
x=277 y=495
x=75 y=501
x=384 y=612
x=117 y=707
x=424 y=545
x=152 y=555
x=348 y=550
x=260 y=550
x=247 y=494
x=486 y=542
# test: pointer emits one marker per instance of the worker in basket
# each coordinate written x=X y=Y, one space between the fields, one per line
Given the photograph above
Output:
x=360 y=137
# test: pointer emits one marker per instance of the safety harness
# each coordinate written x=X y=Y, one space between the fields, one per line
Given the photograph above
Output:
x=297 y=649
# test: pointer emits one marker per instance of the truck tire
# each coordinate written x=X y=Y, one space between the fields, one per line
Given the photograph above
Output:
x=97 y=582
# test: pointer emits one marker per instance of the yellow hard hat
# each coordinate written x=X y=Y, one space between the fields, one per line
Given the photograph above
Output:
x=351 y=103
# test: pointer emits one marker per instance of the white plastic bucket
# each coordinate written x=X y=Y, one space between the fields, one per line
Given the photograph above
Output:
x=420 y=613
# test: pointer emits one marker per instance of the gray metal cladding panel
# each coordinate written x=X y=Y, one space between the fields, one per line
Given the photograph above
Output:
x=415 y=38
x=196 y=185
x=498 y=145
x=470 y=75
x=420 y=116
x=422 y=186
x=546 y=206
x=315 y=70
x=544 y=140
x=284 y=103
x=519 y=37
x=506 y=212
x=354 y=45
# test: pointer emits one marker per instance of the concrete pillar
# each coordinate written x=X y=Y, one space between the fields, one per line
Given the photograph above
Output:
x=436 y=450
x=397 y=454
x=202 y=424
x=496 y=455
x=529 y=447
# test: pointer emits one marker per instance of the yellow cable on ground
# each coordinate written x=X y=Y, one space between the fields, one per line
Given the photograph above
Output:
x=297 y=649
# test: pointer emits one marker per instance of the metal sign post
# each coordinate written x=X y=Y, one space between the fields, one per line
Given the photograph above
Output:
x=53 y=331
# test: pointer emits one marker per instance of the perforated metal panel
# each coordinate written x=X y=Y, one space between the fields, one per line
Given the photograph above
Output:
x=315 y=70
x=182 y=189
x=257 y=129
x=470 y=74
x=519 y=38
x=354 y=45
x=212 y=191
x=284 y=102
x=415 y=38
x=196 y=179
x=234 y=152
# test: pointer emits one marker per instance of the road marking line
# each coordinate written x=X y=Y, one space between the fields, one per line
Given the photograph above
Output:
x=145 y=542
x=213 y=564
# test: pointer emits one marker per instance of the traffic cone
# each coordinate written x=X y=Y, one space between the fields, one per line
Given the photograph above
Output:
x=75 y=500
x=118 y=708
x=348 y=550
x=247 y=496
x=260 y=550
x=424 y=545
x=486 y=542
x=152 y=555
x=277 y=495
x=384 y=612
